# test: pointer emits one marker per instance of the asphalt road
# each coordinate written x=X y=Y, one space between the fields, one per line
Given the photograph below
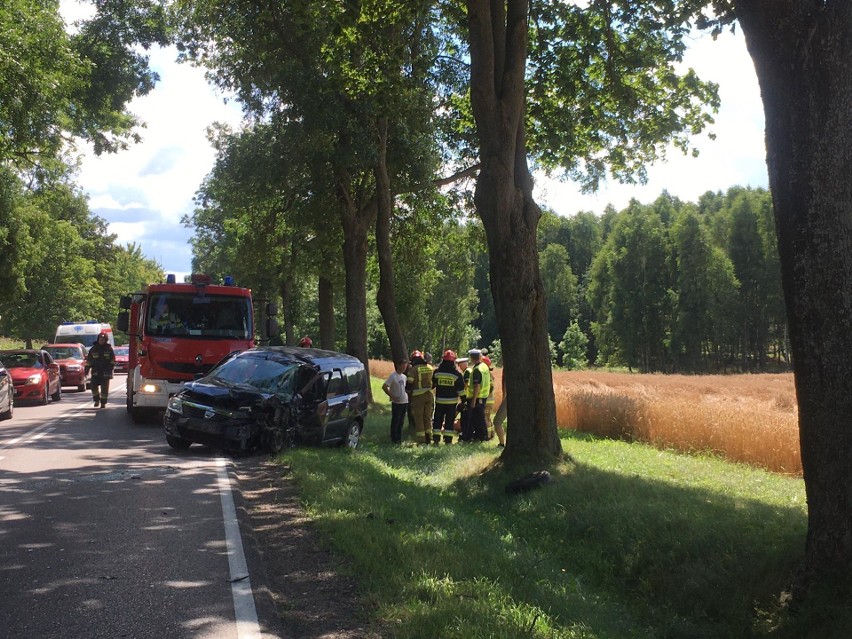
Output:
x=105 y=531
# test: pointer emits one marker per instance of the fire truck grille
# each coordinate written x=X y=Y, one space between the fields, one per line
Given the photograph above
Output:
x=186 y=368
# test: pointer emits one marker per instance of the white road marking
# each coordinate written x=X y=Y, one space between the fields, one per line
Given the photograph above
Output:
x=244 y=609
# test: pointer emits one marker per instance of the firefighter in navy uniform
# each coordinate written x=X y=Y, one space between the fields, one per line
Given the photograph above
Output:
x=448 y=383
x=422 y=402
x=101 y=360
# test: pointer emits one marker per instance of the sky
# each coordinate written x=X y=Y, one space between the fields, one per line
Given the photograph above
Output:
x=144 y=192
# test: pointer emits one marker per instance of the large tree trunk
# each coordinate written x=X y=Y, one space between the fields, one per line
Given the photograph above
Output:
x=356 y=222
x=498 y=45
x=803 y=56
x=386 y=295
x=328 y=331
x=286 y=288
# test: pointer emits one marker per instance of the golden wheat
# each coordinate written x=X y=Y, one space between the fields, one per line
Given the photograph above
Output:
x=752 y=419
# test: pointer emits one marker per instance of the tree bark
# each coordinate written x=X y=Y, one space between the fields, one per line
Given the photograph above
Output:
x=356 y=222
x=498 y=45
x=802 y=53
x=386 y=295
x=327 y=326
x=286 y=287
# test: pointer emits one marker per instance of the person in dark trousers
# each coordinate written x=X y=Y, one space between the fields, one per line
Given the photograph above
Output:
x=101 y=361
x=480 y=387
x=464 y=405
x=449 y=387
x=394 y=387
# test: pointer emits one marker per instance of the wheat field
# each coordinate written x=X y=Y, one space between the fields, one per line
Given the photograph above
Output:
x=751 y=419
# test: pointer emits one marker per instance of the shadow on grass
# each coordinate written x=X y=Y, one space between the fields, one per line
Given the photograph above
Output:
x=444 y=551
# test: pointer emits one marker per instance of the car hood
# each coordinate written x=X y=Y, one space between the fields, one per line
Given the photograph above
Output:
x=223 y=395
x=69 y=360
x=23 y=373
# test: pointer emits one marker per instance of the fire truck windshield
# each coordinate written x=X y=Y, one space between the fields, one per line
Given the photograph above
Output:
x=188 y=315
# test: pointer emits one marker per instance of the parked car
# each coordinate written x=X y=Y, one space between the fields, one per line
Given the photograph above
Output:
x=72 y=364
x=7 y=394
x=34 y=374
x=122 y=356
x=270 y=398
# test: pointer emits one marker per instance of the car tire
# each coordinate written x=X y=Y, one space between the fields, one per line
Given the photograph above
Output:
x=7 y=414
x=352 y=436
x=177 y=443
x=276 y=440
x=58 y=394
x=46 y=395
x=81 y=388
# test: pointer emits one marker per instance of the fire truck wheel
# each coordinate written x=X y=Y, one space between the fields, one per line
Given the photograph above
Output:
x=177 y=443
x=140 y=415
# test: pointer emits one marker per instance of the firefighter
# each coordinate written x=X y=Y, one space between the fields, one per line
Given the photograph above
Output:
x=480 y=386
x=464 y=406
x=306 y=342
x=489 y=402
x=166 y=321
x=101 y=361
x=448 y=383
x=500 y=415
x=422 y=403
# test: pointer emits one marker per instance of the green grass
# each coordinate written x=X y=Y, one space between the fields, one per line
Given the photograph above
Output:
x=629 y=541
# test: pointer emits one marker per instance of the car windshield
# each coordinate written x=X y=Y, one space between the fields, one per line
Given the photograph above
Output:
x=194 y=316
x=122 y=350
x=66 y=352
x=20 y=360
x=267 y=375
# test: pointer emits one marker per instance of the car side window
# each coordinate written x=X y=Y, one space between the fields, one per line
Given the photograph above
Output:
x=335 y=385
x=354 y=377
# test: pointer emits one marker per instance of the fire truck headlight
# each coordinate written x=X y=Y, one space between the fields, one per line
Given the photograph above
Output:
x=149 y=388
x=175 y=404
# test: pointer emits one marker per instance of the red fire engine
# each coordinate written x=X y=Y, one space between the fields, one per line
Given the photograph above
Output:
x=179 y=331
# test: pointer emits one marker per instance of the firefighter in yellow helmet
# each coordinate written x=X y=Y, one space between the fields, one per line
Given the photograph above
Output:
x=422 y=403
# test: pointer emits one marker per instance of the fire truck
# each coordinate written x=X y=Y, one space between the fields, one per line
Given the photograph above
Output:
x=178 y=331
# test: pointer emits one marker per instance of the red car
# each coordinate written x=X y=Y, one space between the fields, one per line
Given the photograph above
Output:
x=122 y=355
x=71 y=358
x=35 y=375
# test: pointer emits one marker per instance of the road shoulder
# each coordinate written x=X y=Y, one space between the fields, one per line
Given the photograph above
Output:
x=295 y=578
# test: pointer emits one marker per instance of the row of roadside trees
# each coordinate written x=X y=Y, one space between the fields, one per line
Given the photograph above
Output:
x=363 y=104
x=61 y=88
x=587 y=88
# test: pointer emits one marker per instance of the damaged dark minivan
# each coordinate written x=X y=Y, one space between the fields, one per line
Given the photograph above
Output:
x=270 y=398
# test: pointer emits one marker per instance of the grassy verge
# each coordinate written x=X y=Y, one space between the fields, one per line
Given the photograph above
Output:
x=630 y=541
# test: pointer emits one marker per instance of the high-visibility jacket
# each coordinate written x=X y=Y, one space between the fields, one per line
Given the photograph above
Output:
x=419 y=379
x=448 y=384
x=482 y=375
x=468 y=387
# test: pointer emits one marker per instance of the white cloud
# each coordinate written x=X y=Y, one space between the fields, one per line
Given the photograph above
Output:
x=736 y=157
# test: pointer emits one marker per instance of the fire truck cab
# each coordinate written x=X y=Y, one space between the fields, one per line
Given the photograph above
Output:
x=179 y=331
